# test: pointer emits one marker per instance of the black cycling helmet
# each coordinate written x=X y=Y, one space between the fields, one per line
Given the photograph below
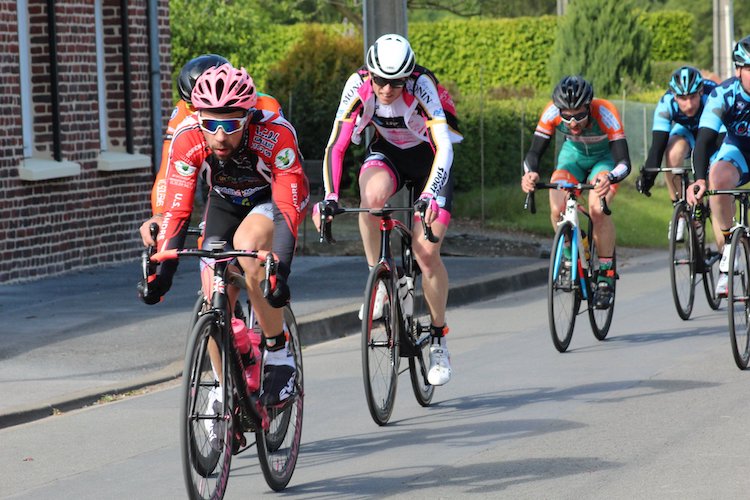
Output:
x=686 y=80
x=572 y=92
x=741 y=54
x=192 y=70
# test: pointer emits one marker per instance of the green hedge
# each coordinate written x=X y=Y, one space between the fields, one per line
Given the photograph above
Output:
x=505 y=123
x=671 y=35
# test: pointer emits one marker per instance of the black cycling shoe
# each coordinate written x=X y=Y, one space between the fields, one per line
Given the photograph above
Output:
x=603 y=295
x=278 y=384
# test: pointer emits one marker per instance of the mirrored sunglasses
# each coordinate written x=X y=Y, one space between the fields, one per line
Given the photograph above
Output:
x=382 y=82
x=228 y=125
x=578 y=117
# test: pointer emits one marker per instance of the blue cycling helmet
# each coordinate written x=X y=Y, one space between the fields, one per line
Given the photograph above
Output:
x=686 y=80
x=741 y=54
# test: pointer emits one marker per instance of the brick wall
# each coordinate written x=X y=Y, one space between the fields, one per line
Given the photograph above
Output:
x=50 y=227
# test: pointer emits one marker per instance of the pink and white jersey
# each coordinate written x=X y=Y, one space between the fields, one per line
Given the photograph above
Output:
x=415 y=117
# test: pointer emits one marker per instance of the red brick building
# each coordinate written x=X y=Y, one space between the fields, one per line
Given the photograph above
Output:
x=85 y=89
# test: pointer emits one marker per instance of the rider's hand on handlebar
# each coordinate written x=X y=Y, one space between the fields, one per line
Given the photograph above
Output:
x=603 y=184
x=329 y=209
x=528 y=181
x=426 y=204
x=695 y=191
x=145 y=230
x=644 y=182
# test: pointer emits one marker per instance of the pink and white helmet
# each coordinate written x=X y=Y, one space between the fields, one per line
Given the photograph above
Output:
x=224 y=87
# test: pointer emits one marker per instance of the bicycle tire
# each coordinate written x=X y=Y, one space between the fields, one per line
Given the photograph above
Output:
x=737 y=297
x=682 y=260
x=711 y=259
x=279 y=445
x=419 y=362
x=600 y=319
x=205 y=469
x=563 y=296
x=380 y=356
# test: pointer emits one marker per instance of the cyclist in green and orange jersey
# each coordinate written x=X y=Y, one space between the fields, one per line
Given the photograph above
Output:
x=595 y=151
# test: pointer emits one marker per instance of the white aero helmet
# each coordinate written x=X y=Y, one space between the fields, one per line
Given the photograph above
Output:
x=391 y=57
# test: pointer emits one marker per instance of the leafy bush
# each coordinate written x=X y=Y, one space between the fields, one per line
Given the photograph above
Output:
x=604 y=41
x=308 y=82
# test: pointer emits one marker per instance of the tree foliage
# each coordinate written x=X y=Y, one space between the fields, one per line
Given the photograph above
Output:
x=604 y=41
x=309 y=81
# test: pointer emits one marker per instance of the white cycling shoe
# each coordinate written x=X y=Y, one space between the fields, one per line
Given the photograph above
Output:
x=440 y=365
x=377 y=308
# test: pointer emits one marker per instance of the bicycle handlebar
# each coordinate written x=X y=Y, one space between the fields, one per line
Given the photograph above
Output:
x=530 y=204
x=269 y=260
x=326 y=234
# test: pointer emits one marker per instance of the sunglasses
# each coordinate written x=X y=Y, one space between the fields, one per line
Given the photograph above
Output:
x=228 y=125
x=578 y=117
x=382 y=82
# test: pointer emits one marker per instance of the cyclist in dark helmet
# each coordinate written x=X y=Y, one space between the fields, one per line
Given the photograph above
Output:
x=728 y=106
x=595 y=151
x=675 y=125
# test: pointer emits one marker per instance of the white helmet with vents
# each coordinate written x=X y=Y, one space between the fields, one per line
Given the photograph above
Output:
x=391 y=57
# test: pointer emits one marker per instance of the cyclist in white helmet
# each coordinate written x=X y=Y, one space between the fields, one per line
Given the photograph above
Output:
x=414 y=131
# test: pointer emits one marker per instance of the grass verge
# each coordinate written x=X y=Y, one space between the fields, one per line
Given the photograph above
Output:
x=640 y=221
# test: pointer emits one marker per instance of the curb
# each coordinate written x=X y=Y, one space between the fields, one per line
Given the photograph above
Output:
x=319 y=327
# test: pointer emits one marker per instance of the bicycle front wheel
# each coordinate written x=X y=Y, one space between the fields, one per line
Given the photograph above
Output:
x=278 y=446
x=682 y=262
x=563 y=294
x=380 y=333
x=206 y=430
x=737 y=297
x=419 y=361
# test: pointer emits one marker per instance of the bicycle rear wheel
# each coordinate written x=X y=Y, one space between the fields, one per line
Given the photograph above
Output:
x=206 y=461
x=682 y=256
x=278 y=446
x=600 y=319
x=563 y=295
x=380 y=345
x=737 y=297
x=711 y=259
x=419 y=362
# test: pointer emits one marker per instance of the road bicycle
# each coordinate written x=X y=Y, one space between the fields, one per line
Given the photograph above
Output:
x=738 y=285
x=691 y=256
x=574 y=268
x=277 y=429
x=403 y=329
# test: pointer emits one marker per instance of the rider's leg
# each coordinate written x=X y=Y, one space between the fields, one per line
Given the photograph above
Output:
x=256 y=233
x=722 y=175
x=377 y=184
x=434 y=274
x=678 y=148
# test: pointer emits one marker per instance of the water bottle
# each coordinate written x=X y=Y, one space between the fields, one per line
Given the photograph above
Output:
x=406 y=294
x=243 y=343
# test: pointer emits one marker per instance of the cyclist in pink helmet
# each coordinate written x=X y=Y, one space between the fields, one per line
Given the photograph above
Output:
x=224 y=88
x=258 y=196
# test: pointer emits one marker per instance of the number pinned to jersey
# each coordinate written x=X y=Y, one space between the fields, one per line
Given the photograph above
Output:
x=184 y=169
x=285 y=158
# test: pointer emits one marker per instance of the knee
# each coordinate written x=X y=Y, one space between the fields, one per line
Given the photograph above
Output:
x=428 y=258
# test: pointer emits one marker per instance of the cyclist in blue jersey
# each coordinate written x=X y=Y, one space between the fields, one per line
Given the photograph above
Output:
x=676 y=119
x=728 y=105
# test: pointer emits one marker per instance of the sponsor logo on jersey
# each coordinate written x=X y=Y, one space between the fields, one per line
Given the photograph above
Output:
x=285 y=159
x=264 y=141
x=423 y=93
x=550 y=114
x=609 y=119
x=184 y=169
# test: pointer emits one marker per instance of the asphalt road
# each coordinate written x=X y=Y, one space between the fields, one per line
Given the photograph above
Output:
x=657 y=410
